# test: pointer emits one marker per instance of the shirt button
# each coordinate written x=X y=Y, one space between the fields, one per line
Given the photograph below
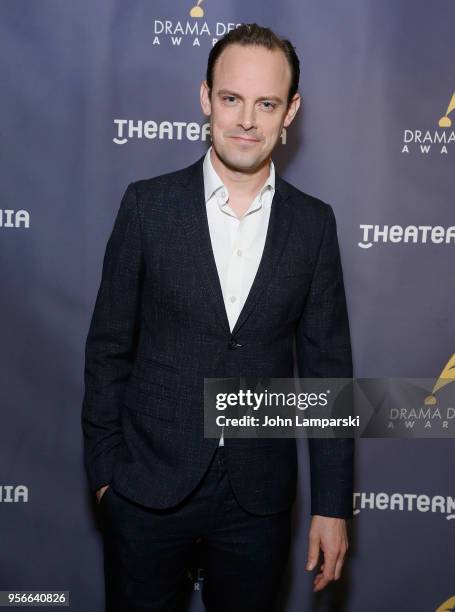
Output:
x=239 y=252
x=233 y=298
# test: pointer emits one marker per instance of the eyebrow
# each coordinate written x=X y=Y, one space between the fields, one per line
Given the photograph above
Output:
x=224 y=92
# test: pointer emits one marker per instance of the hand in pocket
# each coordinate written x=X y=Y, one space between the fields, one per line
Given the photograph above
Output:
x=102 y=492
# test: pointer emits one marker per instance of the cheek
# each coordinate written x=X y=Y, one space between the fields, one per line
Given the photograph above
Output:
x=218 y=132
x=272 y=130
x=221 y=125
x=218 y=124
x=226 y=120
x=222 y=114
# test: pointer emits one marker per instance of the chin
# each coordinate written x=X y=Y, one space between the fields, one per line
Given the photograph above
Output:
x=244 y=165
x=239 y=161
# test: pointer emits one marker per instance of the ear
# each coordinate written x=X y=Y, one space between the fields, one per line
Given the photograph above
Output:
x=293 y=107
x=204 y=96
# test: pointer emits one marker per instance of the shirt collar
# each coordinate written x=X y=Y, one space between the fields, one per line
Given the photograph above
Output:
x=213 y=183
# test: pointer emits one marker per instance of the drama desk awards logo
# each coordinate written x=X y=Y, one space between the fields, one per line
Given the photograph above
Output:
x=197 y=11
x=447 y=376
x=193 y=30
x=433 y=415
x=426 y=141
x=447 y=606
x=445 y=121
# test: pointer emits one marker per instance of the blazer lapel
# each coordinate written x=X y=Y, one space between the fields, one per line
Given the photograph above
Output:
x=193 y=217
x=280 y=223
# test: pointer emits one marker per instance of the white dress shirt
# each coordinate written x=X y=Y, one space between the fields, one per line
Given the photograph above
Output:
x=237 y=244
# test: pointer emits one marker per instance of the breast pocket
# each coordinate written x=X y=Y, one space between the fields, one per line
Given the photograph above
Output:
x=293 y=269
x=285 y=295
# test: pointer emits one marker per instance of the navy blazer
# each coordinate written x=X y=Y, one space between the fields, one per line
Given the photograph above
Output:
x=159 y=327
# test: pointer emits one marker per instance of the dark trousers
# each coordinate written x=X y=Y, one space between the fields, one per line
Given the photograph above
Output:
x=147 y=553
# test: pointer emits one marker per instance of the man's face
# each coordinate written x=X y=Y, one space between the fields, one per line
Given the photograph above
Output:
x=248 y=105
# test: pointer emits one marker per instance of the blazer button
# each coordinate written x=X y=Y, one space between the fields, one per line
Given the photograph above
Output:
x=233 y=344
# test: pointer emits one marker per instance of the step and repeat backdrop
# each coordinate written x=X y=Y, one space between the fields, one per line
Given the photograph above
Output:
x=95 y=95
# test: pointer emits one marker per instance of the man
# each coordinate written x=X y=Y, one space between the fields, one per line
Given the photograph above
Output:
x=212 y=271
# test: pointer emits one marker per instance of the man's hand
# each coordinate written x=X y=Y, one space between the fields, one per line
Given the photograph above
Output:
x=329 y=535
x=101 y=491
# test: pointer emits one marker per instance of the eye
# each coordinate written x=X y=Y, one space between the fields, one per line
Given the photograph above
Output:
x=268 y=105
x=228 y=99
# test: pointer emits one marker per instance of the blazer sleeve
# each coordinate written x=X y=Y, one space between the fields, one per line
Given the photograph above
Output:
x=324 y=350
x=111 y=342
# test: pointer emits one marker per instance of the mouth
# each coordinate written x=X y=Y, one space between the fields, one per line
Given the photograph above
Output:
x=245 y=139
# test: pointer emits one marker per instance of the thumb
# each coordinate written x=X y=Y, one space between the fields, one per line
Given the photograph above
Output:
x=313 y=553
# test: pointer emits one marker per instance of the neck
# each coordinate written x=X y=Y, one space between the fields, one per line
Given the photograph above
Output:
x=241 y=184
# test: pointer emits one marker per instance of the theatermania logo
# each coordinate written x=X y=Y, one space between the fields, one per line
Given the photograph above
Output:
x=428 y=140
x=193 y=30
x=10 y=494
x=405 y=234
x=14 y=218
x=430 y=414
x=148 y=129
x=404 y=502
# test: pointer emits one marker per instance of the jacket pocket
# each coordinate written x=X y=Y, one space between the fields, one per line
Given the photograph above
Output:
x=293 y=269
x=152 y=397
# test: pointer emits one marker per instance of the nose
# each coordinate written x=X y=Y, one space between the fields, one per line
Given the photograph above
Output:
x=247 y=117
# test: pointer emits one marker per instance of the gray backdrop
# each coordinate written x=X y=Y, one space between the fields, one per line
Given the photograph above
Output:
x=78 y=79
